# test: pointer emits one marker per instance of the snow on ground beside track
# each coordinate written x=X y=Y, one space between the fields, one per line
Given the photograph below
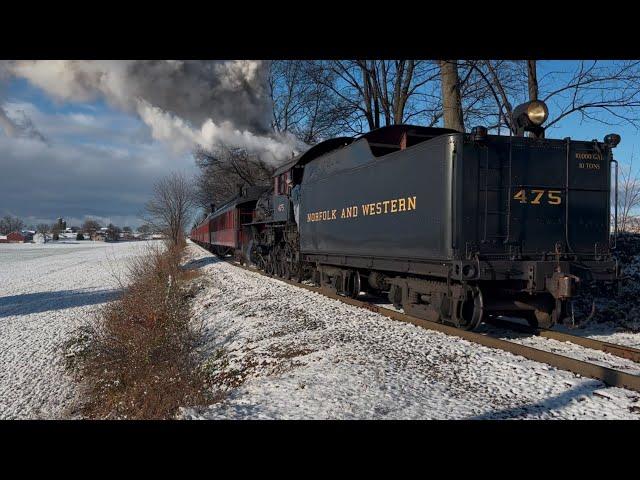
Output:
x=46 y=291
x=607 y=332
x=277 y=351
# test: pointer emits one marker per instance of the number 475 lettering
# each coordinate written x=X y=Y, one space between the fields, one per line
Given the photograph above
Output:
x=552 y=197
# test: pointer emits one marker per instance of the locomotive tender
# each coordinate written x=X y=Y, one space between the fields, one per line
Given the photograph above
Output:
x=451 y=226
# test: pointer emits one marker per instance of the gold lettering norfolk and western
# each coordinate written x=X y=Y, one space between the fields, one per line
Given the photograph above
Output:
x=383 y=207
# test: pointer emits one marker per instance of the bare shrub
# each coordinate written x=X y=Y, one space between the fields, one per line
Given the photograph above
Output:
x=140 y=359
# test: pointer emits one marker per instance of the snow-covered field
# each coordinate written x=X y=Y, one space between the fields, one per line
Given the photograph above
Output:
x=46 y=291
x=277 y=351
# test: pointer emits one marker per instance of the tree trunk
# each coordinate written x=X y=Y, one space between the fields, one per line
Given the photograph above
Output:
x=533 y=80
x=451 y=102
x=533 y=84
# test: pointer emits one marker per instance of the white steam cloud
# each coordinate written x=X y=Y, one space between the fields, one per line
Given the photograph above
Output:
x=7 y=124
x=18 y=124
x=184 y=103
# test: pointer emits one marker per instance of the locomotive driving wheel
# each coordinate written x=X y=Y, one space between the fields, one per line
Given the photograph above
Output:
x=285 y=268
x=269 y=264
x=277 y=263
x=281 y=260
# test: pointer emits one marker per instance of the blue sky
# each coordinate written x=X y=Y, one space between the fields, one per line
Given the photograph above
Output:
x=102 y=161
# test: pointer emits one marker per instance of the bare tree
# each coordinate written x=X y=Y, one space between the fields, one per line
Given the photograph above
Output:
x=628 y=195
x=43 y=228
x=451 y=101
x=319 y=99
x=605 y=92
x=170 y=208
x=113 y=232
x=145 y=229
x=595 y=88
x=10 y=224
x=221 y=171
x=55 y=230
x=488 y=90
x=301 y=105
x=371 y=94
x=90 y=226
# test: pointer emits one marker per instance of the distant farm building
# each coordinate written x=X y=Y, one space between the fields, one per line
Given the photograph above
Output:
x=13 y=237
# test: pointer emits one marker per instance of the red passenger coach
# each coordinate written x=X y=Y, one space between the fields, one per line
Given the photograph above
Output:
x=200 y=234
x=222 y=232
x=224 y=228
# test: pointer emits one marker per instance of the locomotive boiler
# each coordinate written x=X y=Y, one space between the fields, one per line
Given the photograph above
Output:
x=451 y=226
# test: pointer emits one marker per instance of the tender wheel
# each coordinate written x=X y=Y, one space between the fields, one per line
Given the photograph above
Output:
x=395 y=296
x=336 y=283
x=355 y=284
x=315 y=277
x=471 y=311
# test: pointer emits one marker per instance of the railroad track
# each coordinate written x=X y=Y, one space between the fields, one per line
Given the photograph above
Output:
x=607 y=375
x=622 y=351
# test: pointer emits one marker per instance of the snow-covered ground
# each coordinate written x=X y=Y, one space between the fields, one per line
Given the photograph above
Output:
x=277 y=351
x=46 y=291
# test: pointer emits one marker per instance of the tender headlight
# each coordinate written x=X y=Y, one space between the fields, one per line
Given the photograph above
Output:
x=537 y=112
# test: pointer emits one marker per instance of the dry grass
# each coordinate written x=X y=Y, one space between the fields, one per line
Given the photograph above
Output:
x=140 y=359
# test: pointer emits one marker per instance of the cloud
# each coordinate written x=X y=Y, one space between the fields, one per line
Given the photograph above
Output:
x=82 y=172
x=184 y=103
x=101 y=159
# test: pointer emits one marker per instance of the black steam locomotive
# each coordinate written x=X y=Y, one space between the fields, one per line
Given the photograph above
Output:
x=451 y=226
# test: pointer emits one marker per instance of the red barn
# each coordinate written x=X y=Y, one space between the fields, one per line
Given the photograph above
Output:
x=15 y=237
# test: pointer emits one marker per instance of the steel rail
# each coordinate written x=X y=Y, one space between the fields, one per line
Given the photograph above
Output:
x=608 y=376
x=622 y=351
